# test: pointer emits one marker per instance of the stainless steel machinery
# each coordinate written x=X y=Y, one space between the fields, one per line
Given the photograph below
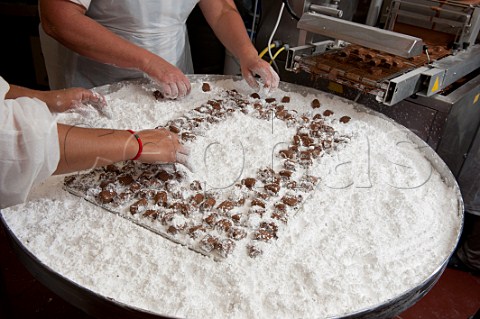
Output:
x=425 y=47
x=417 y=61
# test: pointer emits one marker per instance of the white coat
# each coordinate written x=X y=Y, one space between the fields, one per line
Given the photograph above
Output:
x=29 y=146
x=156 y=25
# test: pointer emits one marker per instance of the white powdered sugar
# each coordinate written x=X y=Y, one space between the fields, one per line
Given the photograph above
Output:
x=223 y=154
x=380 y=221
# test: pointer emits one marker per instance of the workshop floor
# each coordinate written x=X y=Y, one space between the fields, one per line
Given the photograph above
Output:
x=455 y=296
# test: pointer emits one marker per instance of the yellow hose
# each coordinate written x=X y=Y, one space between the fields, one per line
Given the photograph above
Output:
x=277 y=53
x=266 y=50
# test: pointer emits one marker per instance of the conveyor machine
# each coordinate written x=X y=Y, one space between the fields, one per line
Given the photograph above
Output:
x=417 y=61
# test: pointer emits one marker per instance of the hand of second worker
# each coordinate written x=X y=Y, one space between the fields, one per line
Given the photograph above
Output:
x=171 y=82
x=67 y=99
x=257 y=66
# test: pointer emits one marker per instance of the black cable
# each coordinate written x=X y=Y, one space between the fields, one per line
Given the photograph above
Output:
x=289 y=9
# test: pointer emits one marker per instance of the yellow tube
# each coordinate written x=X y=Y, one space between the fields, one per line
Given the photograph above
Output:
x=276 y=54
x=266 y=50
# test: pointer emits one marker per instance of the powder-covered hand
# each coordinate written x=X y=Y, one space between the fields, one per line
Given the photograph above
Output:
x=171 y=82
x=162 y=146
x=256 y=66
x=67 y=99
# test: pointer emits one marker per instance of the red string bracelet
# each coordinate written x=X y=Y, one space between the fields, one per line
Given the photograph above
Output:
x=140 y=145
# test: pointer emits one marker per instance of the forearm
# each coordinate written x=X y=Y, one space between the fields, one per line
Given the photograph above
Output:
x=226 y=22
x=228 y=25
x=19 y=91
x=49 y=97
x=86 y=148
x=67 y=23
x=57 y=100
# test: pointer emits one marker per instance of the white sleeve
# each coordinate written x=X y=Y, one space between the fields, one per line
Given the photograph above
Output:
x=84 y=3
x=29 y=146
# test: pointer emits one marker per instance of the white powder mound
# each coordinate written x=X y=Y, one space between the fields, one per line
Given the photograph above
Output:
x=224 y=155
x=380 y=221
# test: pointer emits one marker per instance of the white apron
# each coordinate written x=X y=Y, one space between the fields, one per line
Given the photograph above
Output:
x=156 y=25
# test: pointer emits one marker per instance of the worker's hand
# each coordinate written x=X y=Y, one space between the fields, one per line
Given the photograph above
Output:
x=256 y=66
x=67 y=99
x=162 y=146
x=171 y=82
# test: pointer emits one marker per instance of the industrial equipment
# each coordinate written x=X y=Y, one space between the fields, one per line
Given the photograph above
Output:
x=425 y=47
x=417 y=61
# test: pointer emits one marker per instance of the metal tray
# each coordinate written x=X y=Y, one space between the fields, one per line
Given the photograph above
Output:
x=103 y=307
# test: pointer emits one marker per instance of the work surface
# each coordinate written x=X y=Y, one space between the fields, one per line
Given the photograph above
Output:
x=111 y=257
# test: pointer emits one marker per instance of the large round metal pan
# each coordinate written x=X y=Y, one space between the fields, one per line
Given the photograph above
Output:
x=103 y=307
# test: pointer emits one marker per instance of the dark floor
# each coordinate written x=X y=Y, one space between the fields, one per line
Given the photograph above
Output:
x=455 y=296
